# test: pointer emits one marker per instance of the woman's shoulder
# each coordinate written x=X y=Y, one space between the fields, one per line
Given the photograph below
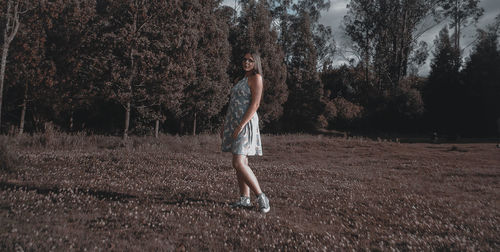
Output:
x=255 y=81
x=255 y=78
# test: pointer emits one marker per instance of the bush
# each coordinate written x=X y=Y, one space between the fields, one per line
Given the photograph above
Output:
x=8 y=159
x=346 y=110
x=408 y=99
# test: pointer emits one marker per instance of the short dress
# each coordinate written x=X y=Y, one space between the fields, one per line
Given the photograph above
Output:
x=248 y=141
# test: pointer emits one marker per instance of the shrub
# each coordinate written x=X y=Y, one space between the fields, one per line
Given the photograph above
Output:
x=346 y=110
x=321 y=122
x=8 y=159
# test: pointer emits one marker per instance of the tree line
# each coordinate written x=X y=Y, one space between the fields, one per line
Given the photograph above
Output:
x=144 y=67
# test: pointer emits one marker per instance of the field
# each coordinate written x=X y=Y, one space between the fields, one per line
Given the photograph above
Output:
x=172 y=193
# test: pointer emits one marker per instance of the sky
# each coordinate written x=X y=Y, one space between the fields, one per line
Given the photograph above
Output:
x=337 y=11
x=334 y=16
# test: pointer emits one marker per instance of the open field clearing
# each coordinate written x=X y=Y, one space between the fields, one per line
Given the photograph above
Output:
x=172 y=193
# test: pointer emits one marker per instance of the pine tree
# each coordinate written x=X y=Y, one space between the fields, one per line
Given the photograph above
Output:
x=443 y=91
x=481 y=75
x=304 y=105
x=129 y=35
x=206 y=94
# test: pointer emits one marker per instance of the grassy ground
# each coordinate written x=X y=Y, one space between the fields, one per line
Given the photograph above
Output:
x=172 y=193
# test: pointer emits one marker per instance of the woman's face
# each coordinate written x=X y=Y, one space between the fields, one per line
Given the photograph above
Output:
x=248 y=62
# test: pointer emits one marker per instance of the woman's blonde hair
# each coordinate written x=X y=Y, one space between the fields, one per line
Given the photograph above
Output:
x=257 y=66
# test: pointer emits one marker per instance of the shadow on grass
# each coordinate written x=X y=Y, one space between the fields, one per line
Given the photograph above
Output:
x=184 y=199
x=180 y=199
x=192 y=201
x=100 y=194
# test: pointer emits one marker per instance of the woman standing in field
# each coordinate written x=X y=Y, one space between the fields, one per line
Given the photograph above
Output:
x=240 y=133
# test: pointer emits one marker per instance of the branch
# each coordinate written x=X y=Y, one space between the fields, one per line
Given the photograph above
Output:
x=471 y=43
x=147 y=106
x=26 y=10
x=145 y=22
x=11 y=36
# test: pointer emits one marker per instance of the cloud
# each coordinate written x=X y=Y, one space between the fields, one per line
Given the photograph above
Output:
x=335 y=15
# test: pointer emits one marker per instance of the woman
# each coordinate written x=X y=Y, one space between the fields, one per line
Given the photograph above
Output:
x=240 y=133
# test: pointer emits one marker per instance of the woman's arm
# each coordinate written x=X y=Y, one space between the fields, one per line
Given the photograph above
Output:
x=256 y=86
x=221 y=132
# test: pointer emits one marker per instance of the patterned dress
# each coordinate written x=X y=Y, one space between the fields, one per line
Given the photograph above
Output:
x=248 y=141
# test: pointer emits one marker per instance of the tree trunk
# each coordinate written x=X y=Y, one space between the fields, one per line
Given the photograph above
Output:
x=194 y=124
x=71 y=122
x=11 y=25
x=181 y=127
x=157 y=127
x=457 y=26
x=23 y=110
x=367 y=57
x=458 y=42
x=23 y=115
x=129 y=82
x=2 y=74
x=127 y=121
x=403 y=58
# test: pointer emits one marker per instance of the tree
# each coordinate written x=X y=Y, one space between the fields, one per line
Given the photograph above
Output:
x=285 y=12
x=461 y=13
x=443 y=92
x=70 y=34
x=31 y=72
x=482 y=89
x=306 y=43
x=322 y=35
x=206 y=94
x=360 y=27
x=343 y=88
x=385 y=36
x=128 y=30
x=387 y=42
x=304 y=105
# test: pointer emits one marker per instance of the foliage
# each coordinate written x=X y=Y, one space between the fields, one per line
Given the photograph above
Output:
x=304 y=104
x=386 y=42
x=481 y=85
x=126 y=67
x=461 y=13
x=343 y=93
x=206 y=94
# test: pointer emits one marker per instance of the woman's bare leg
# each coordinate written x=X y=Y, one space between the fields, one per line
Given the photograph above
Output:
x=244 y=189
x=245 y=175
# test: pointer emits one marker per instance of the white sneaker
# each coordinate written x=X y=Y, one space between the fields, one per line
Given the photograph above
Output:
x=243 y=202
x=263 y=203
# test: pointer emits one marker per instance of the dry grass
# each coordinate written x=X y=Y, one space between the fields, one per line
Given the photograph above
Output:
x=100 y=193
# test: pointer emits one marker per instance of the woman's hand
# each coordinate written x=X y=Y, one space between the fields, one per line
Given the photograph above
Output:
x=237 y=131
